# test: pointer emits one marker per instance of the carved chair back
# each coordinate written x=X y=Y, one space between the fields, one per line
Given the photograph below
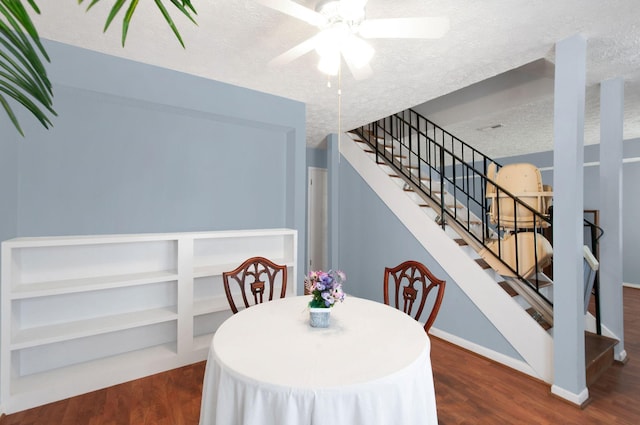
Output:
x=255 y=278
x=408 y=285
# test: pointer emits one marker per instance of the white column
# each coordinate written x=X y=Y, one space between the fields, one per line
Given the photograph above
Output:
x=333 y=164
x=296 y=192
x=568 y=331
x=611 y=125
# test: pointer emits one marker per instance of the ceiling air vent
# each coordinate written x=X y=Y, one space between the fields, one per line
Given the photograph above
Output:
x=491 y=127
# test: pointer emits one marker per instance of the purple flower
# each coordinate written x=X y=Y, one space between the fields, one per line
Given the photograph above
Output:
x=325 y=287
x=328 y=299
x=337 y=293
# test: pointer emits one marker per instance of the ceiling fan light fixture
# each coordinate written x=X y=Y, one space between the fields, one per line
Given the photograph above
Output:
x=331 y=39
x=330 y=63
x=358 y=51
x=343 y=27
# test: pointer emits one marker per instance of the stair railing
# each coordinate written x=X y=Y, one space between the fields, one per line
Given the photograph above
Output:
x=595 y=232
x=453 y=176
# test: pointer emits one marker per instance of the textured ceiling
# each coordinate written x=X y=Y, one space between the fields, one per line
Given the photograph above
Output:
x=235 y=40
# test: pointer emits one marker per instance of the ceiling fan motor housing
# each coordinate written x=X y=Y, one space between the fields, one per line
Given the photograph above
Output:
x=350 y=13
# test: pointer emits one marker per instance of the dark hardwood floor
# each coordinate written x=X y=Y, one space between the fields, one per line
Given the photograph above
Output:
x=469 y=390
x=474 y=390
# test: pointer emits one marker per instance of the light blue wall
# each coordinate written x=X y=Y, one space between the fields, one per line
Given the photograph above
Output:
x=113 y=165
x=317 y=157
x=143 y=149
x=371 y=237
x=630 y=202
x=137 y=148
x=9 y=141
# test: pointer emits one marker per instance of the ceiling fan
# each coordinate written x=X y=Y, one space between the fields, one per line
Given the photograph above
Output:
x=343 y=28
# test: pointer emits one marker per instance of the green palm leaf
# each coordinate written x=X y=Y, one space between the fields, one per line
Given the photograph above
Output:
x=23 y=77
x=184 y=6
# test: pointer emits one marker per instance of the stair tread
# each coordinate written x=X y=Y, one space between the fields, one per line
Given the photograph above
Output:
x=538 y=318
x=482 y=263
x=389 y=151
x=508 y=289
x=541 y=283
x=370 y=134
x=461 y=242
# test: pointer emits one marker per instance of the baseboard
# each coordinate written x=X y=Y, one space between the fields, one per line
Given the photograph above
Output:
x=577 y=399
x=497 y=357
x=631 y=285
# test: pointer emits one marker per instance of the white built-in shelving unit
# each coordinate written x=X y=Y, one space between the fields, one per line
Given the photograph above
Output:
x=81 y=313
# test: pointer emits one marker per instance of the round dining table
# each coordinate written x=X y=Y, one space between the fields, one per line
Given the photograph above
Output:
x=268 y=366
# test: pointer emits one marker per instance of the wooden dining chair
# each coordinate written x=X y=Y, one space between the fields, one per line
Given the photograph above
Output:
x=254 y=277
x=409 y=285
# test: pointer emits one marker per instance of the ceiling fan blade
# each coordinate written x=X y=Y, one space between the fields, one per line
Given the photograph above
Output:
x=295 y=52
x=296 y=10
x=426 y=27
x=359 y=72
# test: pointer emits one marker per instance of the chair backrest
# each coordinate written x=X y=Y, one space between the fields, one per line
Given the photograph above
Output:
x=525 y=182
x=491 y=192
x=409 y=284
x=254 y=277
x=547 y=200
x=525 y=252
x=492 y=172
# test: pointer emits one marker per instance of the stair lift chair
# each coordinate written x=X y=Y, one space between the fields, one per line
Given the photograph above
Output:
x=521 y=247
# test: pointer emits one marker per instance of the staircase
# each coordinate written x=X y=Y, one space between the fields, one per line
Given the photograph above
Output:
x=432 y=208
x=446 y=179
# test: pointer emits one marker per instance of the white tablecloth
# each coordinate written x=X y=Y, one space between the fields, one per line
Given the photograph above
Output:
x=267 y=366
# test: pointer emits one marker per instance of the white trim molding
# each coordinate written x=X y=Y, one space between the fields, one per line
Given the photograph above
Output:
x=496 y=356
x=596 y=163
x=578 y=399
x=621 y=356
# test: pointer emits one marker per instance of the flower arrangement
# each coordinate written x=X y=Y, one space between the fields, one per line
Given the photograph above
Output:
x=325 y=287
